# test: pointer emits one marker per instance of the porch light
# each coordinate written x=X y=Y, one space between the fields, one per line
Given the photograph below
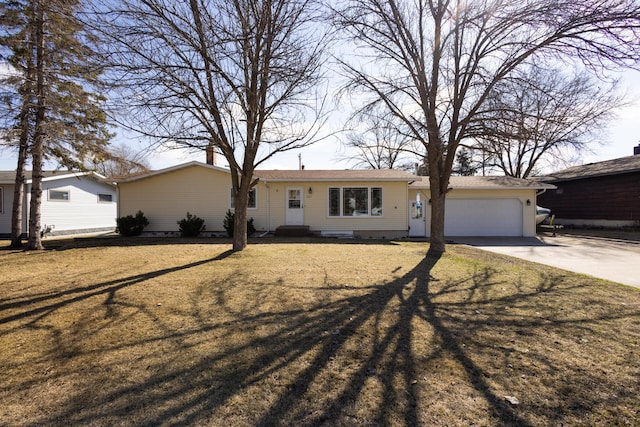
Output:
x=310 y=190
x=528 y=202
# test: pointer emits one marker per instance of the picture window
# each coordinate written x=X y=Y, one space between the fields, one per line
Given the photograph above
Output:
x=355 y=201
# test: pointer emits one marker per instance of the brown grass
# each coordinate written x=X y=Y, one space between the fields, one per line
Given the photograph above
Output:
x=174 y=332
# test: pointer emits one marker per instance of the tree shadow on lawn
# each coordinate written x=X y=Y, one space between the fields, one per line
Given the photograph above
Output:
x=77 y=294
x=411 y=351
x=62 y=244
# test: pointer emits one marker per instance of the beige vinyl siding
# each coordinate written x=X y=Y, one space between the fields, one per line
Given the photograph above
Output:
x=316 y=206
x=166 y=198
x=259 y=214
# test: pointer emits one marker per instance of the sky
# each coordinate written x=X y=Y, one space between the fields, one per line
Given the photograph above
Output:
x=618 y=141
x=622 y=135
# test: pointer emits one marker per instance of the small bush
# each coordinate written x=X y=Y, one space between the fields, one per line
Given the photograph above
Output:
x=228 y=224
x=130 y=225
x=191 y=226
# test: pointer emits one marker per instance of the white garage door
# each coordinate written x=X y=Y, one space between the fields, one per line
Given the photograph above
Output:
x=483 y=217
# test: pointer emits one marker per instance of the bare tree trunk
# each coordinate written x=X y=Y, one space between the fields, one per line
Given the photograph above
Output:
x=436 y=239
x=240 y=220
x=438 y=194
x=35 y=242
x=18 y=191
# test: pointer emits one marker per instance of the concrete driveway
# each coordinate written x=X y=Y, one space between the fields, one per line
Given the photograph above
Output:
x=610 y=259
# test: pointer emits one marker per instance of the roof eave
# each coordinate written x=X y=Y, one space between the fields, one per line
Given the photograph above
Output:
x=167 y=170
x=292 y=179
x=537 y=187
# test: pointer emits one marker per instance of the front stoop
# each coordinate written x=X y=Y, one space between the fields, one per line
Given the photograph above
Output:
x=293 y=231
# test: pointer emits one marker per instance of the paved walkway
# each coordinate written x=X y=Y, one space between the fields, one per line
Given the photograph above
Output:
x=610 y=259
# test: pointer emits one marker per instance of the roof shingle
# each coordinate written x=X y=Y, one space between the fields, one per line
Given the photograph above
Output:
x=608 y=167
x=333 y=175
x=484 y=183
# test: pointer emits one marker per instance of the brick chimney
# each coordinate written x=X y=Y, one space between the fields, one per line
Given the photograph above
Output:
x=211 y=154
x=636 y=150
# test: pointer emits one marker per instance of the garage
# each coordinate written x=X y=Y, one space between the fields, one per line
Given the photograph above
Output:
x=482 y=205
x=483 y=217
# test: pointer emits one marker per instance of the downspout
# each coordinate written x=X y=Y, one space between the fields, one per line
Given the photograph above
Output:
x=539 y=193
x=408 y=215
x=119 y=215
x=266 y=184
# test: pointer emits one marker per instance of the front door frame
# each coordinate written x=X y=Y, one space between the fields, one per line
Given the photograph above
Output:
x=417 y=225
x=294 y=208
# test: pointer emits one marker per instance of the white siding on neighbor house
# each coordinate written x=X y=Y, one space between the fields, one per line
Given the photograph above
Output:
x=6 y=197
x=316 y=206
x=83 y=210
x=5 y=210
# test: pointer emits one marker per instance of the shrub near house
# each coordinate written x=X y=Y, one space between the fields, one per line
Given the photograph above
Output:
x=191 y=226
x=132 y=225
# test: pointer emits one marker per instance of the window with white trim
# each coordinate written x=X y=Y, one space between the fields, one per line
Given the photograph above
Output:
x=252 y=201
x=355 y=201
x=59 y=195
x=105 y=198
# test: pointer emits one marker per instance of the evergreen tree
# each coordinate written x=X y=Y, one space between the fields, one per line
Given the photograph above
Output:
x=57 y=106
x=465 y=165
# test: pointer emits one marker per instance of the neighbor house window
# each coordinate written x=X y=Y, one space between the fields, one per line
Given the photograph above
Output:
x=252 y=202
x=105 y=198
x=355 y=201
x=62 y=195
x=1 y=200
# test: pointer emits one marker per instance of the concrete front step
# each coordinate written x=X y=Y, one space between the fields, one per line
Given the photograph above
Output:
x=293 y=231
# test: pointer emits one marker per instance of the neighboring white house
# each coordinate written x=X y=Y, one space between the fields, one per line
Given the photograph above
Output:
x=72 y=203
x=365 y=203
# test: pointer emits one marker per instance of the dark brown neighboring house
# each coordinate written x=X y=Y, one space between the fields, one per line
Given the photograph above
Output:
x=596 y=194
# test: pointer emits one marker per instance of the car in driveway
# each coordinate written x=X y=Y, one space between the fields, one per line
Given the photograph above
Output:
x=542 y=214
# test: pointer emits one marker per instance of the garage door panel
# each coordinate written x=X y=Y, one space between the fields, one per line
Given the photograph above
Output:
x=483 y=217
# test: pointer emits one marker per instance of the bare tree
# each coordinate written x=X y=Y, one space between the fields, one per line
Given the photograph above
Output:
x=434 y=63
x=536 y=117
x=379 y=143
x=121 y=160
x=240 y=75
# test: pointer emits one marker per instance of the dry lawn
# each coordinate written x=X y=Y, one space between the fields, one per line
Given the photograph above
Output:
x=335 y=333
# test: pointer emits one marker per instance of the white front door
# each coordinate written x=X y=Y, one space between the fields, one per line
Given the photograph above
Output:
x=417 y=223
x=295 y=206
